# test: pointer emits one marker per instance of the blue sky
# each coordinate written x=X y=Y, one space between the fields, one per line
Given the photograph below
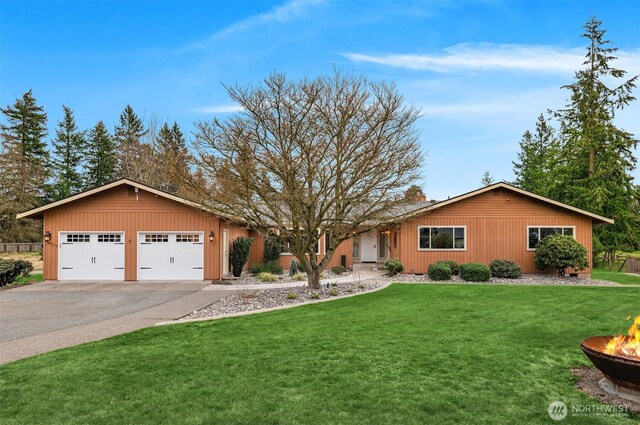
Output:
x=480 y=71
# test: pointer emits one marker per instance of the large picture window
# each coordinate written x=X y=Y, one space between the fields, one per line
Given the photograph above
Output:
x=537 y=233
x=442 y=238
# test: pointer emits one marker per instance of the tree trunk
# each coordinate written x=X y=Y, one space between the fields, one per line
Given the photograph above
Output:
x=313 y=279
x=592 y=162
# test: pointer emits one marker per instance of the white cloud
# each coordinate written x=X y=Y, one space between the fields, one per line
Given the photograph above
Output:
x=286 y=12
x=490 y=56
x=220 y=109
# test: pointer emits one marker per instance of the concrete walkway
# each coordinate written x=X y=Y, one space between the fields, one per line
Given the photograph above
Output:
x=51 y=315
x=356 y=276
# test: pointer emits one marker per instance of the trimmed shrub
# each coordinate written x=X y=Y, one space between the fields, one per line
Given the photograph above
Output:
x=439 y=271
x=393 y=266
x=292 y=296
x=299 y=277
x=267 y=277
x=10 y=270
x=315 y=296
x=505 y=269
x=475 y=272
x=334 y=293
x=273 y=247
x=455 y=268
x=240 y=254
x=560 y=252
x=338 y=270
x=272 y=267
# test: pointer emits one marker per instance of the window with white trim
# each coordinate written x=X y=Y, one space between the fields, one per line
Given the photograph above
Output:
x=190 y=237
x=78 y=237
x=153 y=238
x=537 y=233
x=442 y=238
x=110 y=238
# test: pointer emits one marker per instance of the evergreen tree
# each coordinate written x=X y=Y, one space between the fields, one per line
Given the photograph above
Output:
x=102 y=161
x=173 y=157
x=538 y=159
x=486 y=180
x=599 y=155
x=68 y=149
x=24 y=163
x=127 y=137
x=590 y=163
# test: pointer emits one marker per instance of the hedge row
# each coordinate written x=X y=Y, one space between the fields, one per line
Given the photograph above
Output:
x=474 y=272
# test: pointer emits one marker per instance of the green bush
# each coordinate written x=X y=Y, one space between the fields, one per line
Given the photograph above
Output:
x=240 y=254
x=10 y=270
x=505 y=269
x=393 y=266
x=273 y=247
x=267 y=277
x=560 y=252
x=272 y=267
x=315 y=296
x=475 y=272
x=455 y=268
x=299 y=277
x=334 y=293
x=292 y=296
x=338 y=270
x=439 y=271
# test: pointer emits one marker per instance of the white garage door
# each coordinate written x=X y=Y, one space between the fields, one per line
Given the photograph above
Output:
x=91 y=256
x=171 y=256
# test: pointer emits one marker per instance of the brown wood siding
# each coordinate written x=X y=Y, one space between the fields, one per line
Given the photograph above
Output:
x=496 y=225
x=257 y=251
x=119 y=209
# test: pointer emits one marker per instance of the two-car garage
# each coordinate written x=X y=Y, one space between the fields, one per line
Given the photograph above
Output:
x=129 y=231
x=101 y=256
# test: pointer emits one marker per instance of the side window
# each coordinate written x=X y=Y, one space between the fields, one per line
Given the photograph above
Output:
x=537 y=233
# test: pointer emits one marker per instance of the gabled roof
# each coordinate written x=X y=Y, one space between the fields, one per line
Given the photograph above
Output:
x=504 y=185
x=37 y=212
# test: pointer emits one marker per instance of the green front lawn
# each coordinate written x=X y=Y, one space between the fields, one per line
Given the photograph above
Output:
x=410 y=354
x=614 y=275
x=33 y=277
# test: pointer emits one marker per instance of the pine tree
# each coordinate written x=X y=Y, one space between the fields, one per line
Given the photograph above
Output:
x=102 y=161
x=599 y=154
x=538 y=159
x=173 y=157
x=23 y=163
x=69 y=149
x=127 y=137
x=486 y=180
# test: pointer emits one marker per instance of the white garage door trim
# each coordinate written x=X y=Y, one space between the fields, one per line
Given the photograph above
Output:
x=185 y=265
x=92 y=267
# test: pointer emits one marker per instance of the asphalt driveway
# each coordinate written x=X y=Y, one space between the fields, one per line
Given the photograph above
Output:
x=51 y=315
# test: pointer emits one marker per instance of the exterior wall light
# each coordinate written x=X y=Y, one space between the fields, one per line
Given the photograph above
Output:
x=211 y=236
x=47 y=236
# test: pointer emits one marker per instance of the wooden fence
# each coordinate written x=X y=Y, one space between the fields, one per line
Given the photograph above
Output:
x=20 y=247
x=632 y=265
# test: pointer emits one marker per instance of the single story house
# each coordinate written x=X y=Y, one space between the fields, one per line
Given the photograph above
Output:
x=129 y=231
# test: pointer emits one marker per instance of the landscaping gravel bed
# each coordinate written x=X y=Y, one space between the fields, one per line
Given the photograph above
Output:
x=258 y=299
x=248 y=278
x=527 y=279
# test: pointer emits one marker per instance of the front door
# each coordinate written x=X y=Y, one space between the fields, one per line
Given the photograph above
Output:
x=368 y=253
x=225 y=252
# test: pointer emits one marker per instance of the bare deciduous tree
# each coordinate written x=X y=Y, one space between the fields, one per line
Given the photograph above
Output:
x=330 y=154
